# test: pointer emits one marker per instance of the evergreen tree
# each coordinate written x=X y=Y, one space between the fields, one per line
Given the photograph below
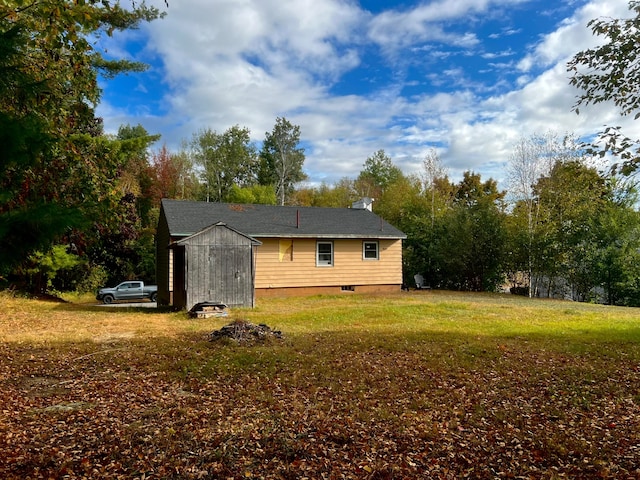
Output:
x=55 y=169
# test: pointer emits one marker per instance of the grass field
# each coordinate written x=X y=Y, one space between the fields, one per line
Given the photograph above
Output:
x=413 y=385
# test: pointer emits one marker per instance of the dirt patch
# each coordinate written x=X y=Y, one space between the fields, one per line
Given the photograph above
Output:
x=40 y=387
x=115 y=337
x=67 y=407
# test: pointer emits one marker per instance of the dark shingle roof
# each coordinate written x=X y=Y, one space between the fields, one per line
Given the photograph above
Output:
x=186 y=218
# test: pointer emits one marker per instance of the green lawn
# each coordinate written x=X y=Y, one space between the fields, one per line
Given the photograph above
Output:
x=413 y=385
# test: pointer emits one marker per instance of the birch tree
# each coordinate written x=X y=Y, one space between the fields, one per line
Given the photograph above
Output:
x=433 y=169
x=281 y=159
x=532 y=158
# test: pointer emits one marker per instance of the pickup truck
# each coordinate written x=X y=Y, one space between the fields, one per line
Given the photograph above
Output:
x=131 y=290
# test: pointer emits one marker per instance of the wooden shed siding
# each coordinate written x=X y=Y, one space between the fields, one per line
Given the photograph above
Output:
x=349 y=268
x=163 y=265
x=217 y=273
x=219 y=268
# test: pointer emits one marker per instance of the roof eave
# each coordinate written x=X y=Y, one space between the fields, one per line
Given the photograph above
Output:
x=329 y=235
x=354 y=236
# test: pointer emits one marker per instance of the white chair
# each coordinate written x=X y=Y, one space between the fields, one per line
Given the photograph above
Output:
x=420 y=285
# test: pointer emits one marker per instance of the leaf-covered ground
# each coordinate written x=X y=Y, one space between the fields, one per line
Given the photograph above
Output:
x=320 y=405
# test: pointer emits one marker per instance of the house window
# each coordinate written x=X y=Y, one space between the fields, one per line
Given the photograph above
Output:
x=324 y=254
x=370 y=250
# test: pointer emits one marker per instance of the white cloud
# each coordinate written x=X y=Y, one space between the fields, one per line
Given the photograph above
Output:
x=479 y=134
x=245 y=62
x=572 y=35
x=394 y=29
x=504 y=53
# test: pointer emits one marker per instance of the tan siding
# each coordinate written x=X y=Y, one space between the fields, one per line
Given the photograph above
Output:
x=349 y=267
x=335 y=290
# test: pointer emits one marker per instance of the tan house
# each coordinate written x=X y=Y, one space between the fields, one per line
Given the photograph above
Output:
x=294 y=250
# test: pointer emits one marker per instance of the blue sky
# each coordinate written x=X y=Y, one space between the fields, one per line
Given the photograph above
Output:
x=468 y=78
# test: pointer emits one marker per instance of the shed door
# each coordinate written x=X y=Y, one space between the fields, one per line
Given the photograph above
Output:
x=230 y=279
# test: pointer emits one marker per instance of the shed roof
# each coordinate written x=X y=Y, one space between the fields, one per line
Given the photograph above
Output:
x=185 y=218
x=186 y=240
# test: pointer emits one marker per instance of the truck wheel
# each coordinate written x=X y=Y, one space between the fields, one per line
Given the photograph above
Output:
x=108 y=299
x=154 y=297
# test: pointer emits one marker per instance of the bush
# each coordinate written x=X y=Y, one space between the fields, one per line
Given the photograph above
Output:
x=96 y=277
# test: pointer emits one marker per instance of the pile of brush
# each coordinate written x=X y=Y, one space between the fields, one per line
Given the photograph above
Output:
x=244 y=332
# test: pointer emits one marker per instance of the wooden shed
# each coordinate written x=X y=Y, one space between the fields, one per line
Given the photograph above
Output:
x=217 y=264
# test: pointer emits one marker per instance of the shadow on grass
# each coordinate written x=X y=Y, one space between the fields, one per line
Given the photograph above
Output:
x=150 y=308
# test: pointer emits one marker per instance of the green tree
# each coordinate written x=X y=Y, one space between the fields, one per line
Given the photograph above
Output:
x=616 y=258
x=55 y=169
x=42 y=269
x=422 y=215
x=377 y=174
x=575 y=198
x=226 y=159
x=281 y=159
x=126 y=242
x=518 y=260
x=404 y=205
x=471 y=251
x=136 y=175
x=257 y=194
x=339 y=195
x=610 y=72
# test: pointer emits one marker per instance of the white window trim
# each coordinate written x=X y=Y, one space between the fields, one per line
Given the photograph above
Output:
x=377 y=244
x=324 y=263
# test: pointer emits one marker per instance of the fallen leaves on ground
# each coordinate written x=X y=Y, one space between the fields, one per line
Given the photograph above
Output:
x=95 y=411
